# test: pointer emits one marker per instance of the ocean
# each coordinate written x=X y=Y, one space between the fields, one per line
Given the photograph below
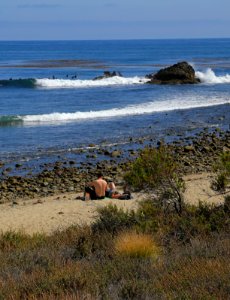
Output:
x=50 y=106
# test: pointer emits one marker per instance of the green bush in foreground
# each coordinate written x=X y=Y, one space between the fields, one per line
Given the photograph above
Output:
x=112 y=219
x=203 y=219
x=222 y=169
x=12 y=240
x=156 y=169
x=227 y=203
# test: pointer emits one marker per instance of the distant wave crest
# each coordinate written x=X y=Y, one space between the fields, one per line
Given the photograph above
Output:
x=67 y=83
x=26 y=83
x=210 y=77
x=10 y=120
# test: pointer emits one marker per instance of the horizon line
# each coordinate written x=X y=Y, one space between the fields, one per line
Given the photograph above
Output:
x=115 y=39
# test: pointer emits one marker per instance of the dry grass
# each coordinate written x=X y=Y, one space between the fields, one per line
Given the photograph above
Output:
x=196 y=278
x=114 y=258
x=137 y=245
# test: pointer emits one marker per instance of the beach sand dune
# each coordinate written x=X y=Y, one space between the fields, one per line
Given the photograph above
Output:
x=48 y=214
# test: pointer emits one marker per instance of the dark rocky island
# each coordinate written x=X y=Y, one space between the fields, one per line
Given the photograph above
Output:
x=180 y=73
x=108 y=74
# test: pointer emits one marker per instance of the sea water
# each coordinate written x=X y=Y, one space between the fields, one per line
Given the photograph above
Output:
x=50 y=104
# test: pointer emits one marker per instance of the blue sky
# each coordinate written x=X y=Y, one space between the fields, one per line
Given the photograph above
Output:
x=108 y=19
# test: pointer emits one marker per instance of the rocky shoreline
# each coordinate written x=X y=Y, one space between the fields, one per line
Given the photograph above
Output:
x=194 y=154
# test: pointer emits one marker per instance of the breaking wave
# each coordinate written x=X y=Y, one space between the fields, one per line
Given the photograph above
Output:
x=26 y=83
x=68 y=83
x=64 y=83
x=10 y=120
x=131 y=110
x=210 y=77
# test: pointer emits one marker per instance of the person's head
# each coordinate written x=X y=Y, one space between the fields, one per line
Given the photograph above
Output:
x=99 y=175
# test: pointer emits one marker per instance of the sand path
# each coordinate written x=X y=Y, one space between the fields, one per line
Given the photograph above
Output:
x=46 y=215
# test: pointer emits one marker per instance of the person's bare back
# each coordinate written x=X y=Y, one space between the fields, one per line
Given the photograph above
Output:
x=100 y=186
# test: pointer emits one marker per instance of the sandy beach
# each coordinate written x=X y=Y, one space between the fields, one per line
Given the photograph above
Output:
x=51 y=213
x=48 y=214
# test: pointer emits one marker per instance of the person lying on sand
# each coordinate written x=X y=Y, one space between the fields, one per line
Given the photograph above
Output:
x=123 y=196
x=111 y=192
x=96 y=189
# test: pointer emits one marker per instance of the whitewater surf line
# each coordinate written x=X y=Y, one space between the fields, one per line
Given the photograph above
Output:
x=70 y=83
x=116 y=80
x=208 y=77
x=131 y=110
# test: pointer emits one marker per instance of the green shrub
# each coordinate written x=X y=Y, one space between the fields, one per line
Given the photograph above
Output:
x=156 y=169
x=220 y=182
x=222 y=169
x=112 y=219
x=202 y=220
x=195 y=220
x=148 y=215
x=227 y=203
x=151 y=168
x=16 y=240
x=97 y=244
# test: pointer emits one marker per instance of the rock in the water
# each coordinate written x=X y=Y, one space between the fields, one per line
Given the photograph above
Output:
x=180 y=73
x=116 y=153
x=108 y=74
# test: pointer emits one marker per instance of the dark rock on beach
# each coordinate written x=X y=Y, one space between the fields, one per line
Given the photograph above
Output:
x=108 y=74
x=180 y=73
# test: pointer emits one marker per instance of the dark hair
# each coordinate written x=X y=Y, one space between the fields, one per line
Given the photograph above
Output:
x=99 y=175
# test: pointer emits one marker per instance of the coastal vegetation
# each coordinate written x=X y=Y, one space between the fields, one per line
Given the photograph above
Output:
x=150 y=253
x=222 y=169
x=156 y=169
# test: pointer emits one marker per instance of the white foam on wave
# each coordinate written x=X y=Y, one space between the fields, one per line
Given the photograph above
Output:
x=77 y=83
x=210 y=77
x=140 y=109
